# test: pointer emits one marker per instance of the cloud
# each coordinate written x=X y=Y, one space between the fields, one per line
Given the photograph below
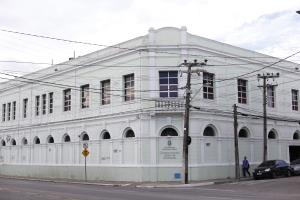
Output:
x=276 y=34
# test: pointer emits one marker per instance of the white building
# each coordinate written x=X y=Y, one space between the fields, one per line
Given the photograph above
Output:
x=127 y=102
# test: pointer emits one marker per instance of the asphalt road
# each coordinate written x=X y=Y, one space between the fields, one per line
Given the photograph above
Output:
x=275 y=189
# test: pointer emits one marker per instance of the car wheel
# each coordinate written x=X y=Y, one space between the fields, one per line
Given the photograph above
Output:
x=288 y=173
x=274 y=175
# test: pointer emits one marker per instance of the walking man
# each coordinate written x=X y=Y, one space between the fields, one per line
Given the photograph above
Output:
x=246 y=167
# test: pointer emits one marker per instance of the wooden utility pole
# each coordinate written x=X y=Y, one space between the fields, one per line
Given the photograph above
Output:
x=186 y=137
x=265 y=78
x=236 y=143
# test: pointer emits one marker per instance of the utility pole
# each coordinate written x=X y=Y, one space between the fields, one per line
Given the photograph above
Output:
x=265 y=78
x=236 y=143
x=186 y=137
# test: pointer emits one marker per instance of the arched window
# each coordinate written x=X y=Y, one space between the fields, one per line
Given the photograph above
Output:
x=105 y=135
x=209 y=131
x=272 y=135
x=85 y=136
x=50 y=139
x=296 y=136
x=24 y=141
x=243 y=133
x=3 y=143
x=36 y=140
x=66 y=138
x=129 y=133
x=13 y=142
x=169 y=132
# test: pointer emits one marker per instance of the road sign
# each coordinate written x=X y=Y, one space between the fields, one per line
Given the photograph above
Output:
x=85 y=152
x=85 y=145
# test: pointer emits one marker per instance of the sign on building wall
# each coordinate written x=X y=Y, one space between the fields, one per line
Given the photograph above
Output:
x=170 y=150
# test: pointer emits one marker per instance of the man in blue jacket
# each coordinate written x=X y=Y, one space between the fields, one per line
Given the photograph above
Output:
x=246 y=167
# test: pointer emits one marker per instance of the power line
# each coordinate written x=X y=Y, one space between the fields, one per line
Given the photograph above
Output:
x=124 y=48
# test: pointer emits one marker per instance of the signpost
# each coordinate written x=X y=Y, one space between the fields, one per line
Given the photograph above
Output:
x=85 y=153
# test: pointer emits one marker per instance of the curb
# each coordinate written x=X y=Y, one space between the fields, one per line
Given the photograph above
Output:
x=70 y=182
x=176 y=186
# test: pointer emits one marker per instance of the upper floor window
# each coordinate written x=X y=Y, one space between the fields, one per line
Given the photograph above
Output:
x=67 y=99
x=242 y=91
x=44 y=102
x=168 y=84
x=8 y=111
x=50 y=96
x=37 y=105
x=105 y=92
x=271 y=96
x=84 y=90
x=25 y=105
x=14 y=110
x=129 y=87
x=208 y=85
x=3 y=112
x=295 y=99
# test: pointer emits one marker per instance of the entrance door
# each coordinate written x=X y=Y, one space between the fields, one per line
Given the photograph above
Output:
x=294 y=152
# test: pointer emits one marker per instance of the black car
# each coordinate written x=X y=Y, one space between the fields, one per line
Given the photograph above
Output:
x=295 y=165
x=272 y=169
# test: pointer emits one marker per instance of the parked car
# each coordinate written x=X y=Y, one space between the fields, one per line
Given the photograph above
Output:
x=272 y=169
x=295 y=166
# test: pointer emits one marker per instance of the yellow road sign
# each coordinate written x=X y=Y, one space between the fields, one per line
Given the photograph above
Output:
x=85 y=152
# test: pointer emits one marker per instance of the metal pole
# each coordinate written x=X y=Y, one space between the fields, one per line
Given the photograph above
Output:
x=85 y=174
x=236 y=143
x=186 y=125
x=265 y=118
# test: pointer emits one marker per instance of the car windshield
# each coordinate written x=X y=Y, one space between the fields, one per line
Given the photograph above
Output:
x=267 y=163
x=295 y=162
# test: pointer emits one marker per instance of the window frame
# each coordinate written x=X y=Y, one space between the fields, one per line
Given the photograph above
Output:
x=25 y=106
x=85 y=96
x=51 y=101
x=37 y=105
x=67 y=98
x=3 y=112
x=208 y=84
x=44 y=104
x=8 y=111
x=14 y=109
x=295 y=99
x=129 y=94
x=105 y=92
x=271 y=99
x=171 y=85
x=242 y=85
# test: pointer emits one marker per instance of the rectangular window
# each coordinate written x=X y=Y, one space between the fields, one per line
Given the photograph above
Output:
x=8 y=111
x=168 y=84
x=25 y=106
x=129 y=87
x=105 y=92
x=37 y=105
x=271 y=96
x=84 y=90
x=67 y=100
x=14 y=110
x=50 y=96
x=295 y=99
x=242 y=91
x=208 y=85
x=44 y=103
x=3 y=112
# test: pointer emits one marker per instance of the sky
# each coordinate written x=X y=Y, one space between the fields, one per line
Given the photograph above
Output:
x=267 y=26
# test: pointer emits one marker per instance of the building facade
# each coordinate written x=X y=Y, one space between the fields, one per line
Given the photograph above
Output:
x=127 y=103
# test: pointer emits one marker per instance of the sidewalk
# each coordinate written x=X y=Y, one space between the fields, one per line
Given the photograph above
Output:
x=132 y=184
x=191 y=184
